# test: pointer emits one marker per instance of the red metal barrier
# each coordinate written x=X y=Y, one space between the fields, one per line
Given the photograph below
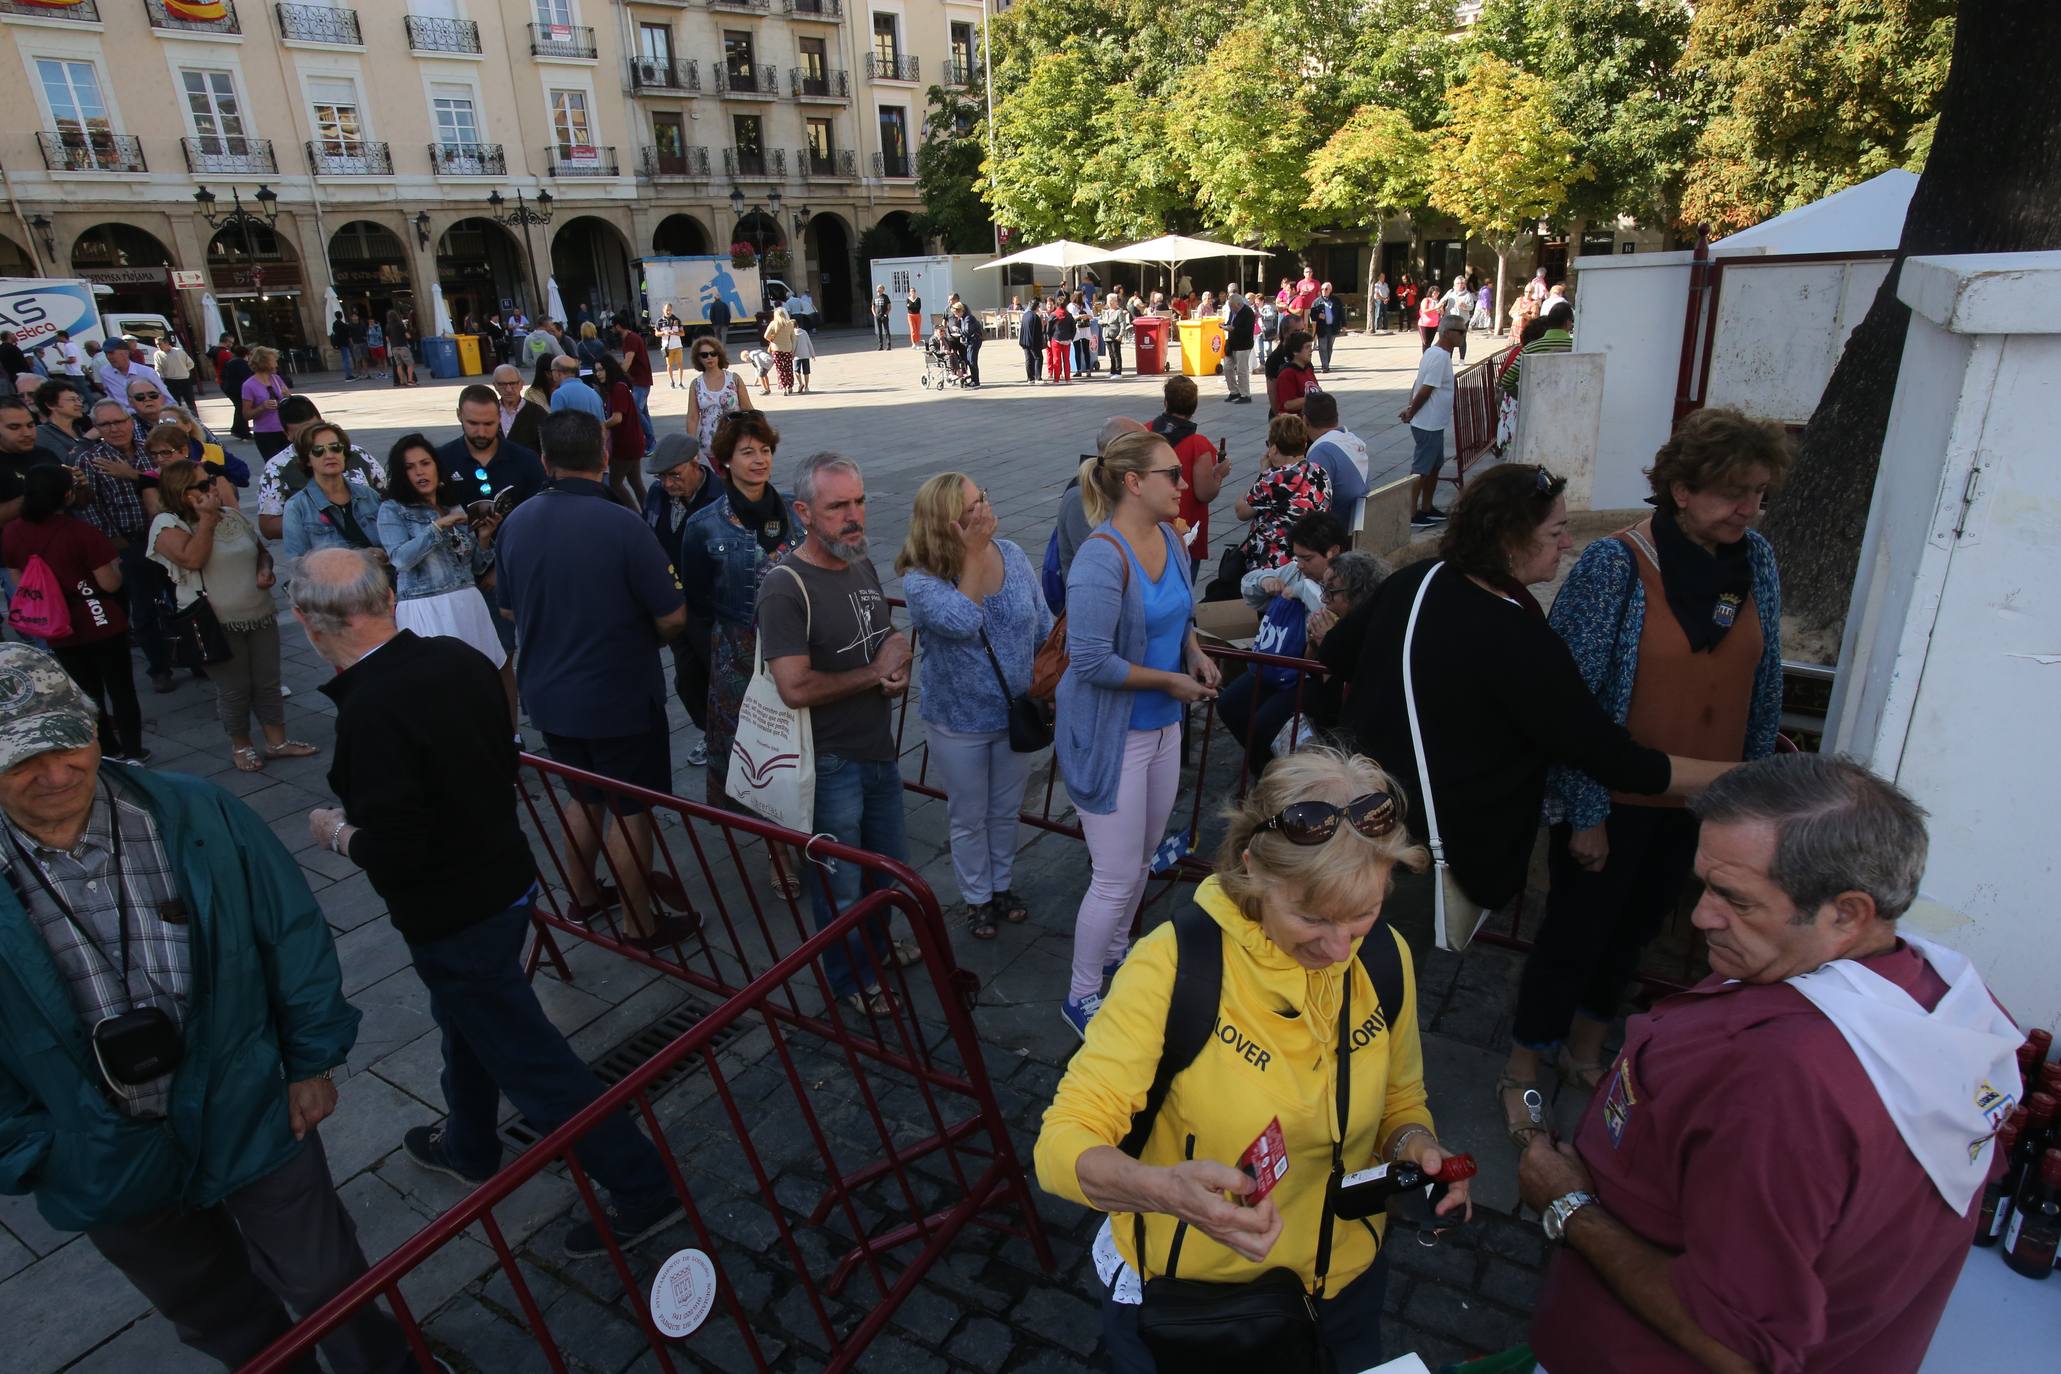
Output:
x=1475 y=405
x=890 y=1196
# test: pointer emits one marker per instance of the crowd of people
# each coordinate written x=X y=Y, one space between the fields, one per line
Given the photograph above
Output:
x=547 y=558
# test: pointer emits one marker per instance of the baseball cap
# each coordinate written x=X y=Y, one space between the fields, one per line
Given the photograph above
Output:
x=41 y=708
x=674 y=450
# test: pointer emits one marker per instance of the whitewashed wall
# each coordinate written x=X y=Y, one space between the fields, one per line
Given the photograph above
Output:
x=1630 y=311
x=1781 y=329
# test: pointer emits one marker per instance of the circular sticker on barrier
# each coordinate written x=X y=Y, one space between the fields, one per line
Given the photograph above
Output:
x=683 y=1292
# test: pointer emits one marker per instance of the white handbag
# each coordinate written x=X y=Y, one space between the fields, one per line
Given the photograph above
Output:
x=773 y=759
x=1458 y=916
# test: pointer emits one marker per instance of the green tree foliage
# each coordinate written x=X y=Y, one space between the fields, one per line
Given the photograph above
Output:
x=1806 y=97
x=948 y=175
x=1374 y=166
x=1244 y=151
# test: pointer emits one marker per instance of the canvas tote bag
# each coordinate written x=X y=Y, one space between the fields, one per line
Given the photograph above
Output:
x=773 y=760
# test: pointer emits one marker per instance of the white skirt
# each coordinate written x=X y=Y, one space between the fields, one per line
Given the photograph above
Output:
x=461 y=614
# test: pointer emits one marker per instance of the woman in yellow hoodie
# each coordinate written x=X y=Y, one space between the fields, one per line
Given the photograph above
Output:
x=1299 y=884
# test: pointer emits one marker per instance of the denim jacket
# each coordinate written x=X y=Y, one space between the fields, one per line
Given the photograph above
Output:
x=719 y=562
x=308 y=526
x=428 y=561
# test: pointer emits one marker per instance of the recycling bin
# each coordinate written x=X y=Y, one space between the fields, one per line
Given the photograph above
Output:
x=1202 y=347
x=1148 y=334
x=440 y=356
x=468 y=355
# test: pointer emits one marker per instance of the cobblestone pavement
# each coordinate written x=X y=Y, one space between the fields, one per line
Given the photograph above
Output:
x=986 y=1307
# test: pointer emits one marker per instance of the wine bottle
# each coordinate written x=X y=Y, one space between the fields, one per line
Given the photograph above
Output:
x=1364 y=1193
x=2034 y=1236
x=1996 y=1194
x=2042 y=1041
x=2040 y=1109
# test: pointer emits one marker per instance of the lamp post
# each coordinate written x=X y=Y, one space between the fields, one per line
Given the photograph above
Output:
x=526 y=216
x=45 y=231
x=240 y=219
x=758 y=224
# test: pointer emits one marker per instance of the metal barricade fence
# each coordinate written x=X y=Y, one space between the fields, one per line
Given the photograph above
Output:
x=1475 y=407
x=808 y=1140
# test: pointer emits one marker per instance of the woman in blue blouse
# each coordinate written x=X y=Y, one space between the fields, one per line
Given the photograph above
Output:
x=979 y=620
x=1676 y=626
x=1133 y=663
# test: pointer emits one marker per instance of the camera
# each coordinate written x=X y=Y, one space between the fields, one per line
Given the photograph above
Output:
x=137 y=1046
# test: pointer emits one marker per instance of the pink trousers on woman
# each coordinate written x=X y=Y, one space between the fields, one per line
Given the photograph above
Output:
x=1120 y=846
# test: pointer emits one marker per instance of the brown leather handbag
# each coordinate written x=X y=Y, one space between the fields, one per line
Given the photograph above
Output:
x=1050 y=664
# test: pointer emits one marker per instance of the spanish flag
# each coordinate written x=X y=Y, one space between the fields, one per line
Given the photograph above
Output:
x=56 y=4
x=200 y=11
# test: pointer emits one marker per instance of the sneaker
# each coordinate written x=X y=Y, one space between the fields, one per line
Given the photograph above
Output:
x=1078 y=1011
x=1436 y=515
x=138 y=758
x=284 y=691
x=697 y=757
x=1422 y=520
x=629 y=1224
x=425 y=1146
x=669 y=932
x=162 y=683
x=579 y=913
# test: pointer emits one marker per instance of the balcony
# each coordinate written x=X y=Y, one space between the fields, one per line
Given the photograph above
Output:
x=884 y=68
x=689 y=164
x=84 y=12
x=335 y=157
x=804 y=84
x=822 y=11
x=961 y=72
x=755 y=163
x=752 y=81
x=92 y=150
x=442 y=35
x=839 y=164
x=163 y=18
x=582 y=161
x=319 y=24
x=229 y=155
x=657 y=76
x=896 y=165
x=467 y=160
x=755 y=6
x=562 y=40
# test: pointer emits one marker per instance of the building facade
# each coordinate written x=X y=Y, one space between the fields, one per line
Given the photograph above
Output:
x=266 y=154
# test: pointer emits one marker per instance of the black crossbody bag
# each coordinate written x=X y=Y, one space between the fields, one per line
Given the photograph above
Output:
x=1029 y=728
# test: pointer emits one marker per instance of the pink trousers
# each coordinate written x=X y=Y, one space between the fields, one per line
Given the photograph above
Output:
x=1120 y=846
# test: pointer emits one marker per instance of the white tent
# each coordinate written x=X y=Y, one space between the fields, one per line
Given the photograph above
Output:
x=1868 y=218
x=1171 y=250
x=1060 y=253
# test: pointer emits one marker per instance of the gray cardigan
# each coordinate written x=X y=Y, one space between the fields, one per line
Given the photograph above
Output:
x=1105 y=636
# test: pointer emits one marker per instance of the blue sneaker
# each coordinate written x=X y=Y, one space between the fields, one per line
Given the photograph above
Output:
x=1078 y=1011
x=1109 y=969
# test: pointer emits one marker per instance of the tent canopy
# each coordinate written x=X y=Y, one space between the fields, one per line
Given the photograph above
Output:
x=1171 y=248
x=1865 y=218
x=1060 y=253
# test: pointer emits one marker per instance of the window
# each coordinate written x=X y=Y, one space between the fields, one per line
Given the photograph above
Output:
x=333 y=103
x=669 y=144
x=822 y=145
x=815 y=65
x=569 y=124
x=887 y=42
x=457 y=123
x=216 y=112
x=962 y=50
x=737 y=58
x=72 y=90
x=655 y=43
x=894 y=140
x=748 y=134
x=558 y=12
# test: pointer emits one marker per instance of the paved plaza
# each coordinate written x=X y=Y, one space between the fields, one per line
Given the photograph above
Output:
x=985 y=1308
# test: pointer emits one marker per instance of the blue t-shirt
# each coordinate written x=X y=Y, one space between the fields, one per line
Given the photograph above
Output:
x=573 y=394
x=586 y=580
x=1169 y=607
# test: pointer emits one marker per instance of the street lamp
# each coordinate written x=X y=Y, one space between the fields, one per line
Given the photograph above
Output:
x=240 y=219
x=422 y=228
x=43 y=227
x=758 y=223
x=525 y=216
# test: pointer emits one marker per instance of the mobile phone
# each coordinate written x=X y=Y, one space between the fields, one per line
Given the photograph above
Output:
x=1223 y=450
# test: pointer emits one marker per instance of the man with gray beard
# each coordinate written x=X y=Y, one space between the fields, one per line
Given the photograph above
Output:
x=831 y=646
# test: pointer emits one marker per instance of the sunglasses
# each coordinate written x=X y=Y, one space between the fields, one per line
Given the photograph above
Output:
x=145 y=395
x=703 y=357
x=1173 y=472
x=1543 y=483
x=1315 y=822
x=318 y=449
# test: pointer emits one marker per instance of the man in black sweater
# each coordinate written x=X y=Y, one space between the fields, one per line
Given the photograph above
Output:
x=425 y=766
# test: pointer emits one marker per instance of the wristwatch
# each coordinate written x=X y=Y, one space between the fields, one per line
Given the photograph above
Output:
x=1559 y=1210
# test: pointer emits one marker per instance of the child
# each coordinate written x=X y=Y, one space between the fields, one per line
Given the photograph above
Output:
x=804 y=354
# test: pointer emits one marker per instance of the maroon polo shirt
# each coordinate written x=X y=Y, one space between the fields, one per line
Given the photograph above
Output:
x=1738 y=1132
x=636 y=358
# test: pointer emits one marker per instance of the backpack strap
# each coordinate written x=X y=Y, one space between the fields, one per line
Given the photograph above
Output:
x=1191 y=1013
x=1382 y=957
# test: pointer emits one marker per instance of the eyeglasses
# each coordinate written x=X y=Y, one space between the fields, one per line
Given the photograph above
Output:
x=1315 y=822
x=1543 y=483
x=167 y=453
x=317 y=450
x=1332 y=591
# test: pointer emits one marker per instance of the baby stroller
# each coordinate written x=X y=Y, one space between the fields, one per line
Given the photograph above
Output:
x=944 y=362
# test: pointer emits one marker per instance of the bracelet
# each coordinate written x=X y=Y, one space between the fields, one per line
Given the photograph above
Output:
x=1395 y=1147
x=337 y=834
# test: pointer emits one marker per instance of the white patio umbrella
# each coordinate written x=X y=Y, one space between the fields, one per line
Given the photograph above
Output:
x=554 y=304
x=1063 y=254
x=1171 y=250
x=210 y=319
x=439 y=311
x=331 y=306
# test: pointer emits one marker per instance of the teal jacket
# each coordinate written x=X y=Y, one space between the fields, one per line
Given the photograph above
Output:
x=266 y=1009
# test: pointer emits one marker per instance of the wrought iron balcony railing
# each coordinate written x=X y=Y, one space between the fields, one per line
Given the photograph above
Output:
x=92 y=150
x=824 y=11
x=881 y=68
x=562 y=40
x=839 y=164
x=229 y=155
x=83 y=12
x=319 y=24
x=961 y=73
x=804 y=84
x=665 y=77
x=162 y=17
x=442 y=35
x=752 y=162
x=757 y=80
x=687 y=164
x=885 y=165
x=582 y=161
x=467 y=159
x=332 y=157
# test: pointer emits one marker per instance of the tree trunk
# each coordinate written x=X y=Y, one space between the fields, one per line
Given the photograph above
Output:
x=1373 y=264
x=1503 y=247
x=1992 y=184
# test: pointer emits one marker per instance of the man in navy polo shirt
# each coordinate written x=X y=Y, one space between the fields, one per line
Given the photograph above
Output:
x=593 y=597
x=483 y=448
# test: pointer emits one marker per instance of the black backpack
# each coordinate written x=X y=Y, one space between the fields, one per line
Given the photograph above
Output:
x=1191 y=1010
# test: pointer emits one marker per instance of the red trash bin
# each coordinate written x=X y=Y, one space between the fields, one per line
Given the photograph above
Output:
x=1149 y=340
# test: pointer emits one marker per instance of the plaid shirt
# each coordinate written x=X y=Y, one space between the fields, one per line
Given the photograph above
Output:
x=116 y=509
x=160 y=967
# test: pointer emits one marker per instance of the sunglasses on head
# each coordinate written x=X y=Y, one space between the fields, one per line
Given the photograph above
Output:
x=1315 y=822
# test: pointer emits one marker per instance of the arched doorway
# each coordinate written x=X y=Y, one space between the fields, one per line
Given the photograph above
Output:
x=590 y=259
x=257 y=282
x=481 y=268
x=829 y=244
x=900 y=226
x=680 y=236
x=15 y=260
x=368 y=264
x=132 y=263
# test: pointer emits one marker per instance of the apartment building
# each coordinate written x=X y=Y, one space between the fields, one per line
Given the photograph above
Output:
x=267 y=154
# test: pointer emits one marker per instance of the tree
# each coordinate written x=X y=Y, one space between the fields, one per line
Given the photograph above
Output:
x=1805 y=97
x=1244 y=156
x=1374 y=165
x=1991 y=184
x=948 y=175
x=1502 y=160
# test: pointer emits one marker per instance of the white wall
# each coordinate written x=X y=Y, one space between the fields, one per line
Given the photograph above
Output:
x=1951 y=667
x=1781 y=329
x=1630 y=311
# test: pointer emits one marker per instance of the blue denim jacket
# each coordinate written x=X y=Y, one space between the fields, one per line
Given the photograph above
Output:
x=308 y=526
x=719 y=562
x=428 y=561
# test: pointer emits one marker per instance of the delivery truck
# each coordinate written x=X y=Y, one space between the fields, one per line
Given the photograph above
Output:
x=937 y=277
x=691 y=284
x=35 y=308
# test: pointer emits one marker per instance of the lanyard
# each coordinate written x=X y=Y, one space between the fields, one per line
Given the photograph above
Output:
x=35 y=866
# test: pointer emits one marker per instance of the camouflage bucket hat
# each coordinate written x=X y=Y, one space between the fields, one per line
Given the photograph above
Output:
x=41 y=708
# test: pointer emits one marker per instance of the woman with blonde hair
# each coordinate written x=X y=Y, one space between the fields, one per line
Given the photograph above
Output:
x=210 y=550
x=1133 y=663
x=973 y=600
x=1317 y=995
x=262 y=393
x=779 y=337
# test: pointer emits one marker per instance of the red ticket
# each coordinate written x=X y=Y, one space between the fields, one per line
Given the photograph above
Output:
x=1265 y=1162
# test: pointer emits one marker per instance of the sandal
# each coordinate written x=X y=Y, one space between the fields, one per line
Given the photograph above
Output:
x=787 y=884
x=980 y=920
x=247 y=760
x=1011 y=906
x=291 y=749
x=1587 y=1077
x=1529 y=1120
x=907 y=953
x=875 y=1000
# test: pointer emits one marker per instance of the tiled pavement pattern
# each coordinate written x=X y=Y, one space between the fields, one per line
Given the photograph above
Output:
x=985 y=1307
